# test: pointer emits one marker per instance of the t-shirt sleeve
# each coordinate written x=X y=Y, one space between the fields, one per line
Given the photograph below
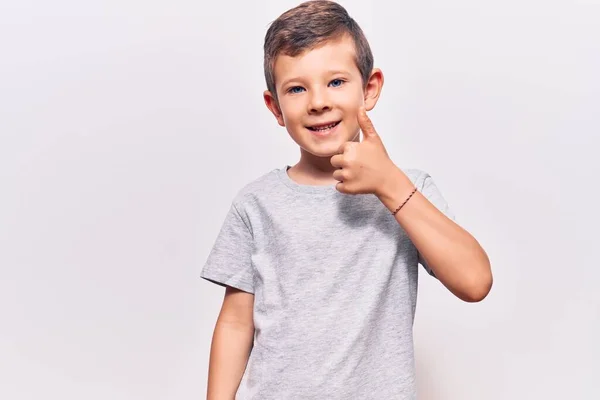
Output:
x=229 y=262
x=430 y=191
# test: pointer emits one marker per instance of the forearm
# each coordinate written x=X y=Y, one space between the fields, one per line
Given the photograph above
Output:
x=453 y=254
x=230 y=349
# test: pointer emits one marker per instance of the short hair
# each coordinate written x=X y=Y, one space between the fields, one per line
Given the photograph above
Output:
x=309 y=25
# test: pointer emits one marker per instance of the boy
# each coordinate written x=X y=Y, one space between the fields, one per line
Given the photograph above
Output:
x=320 y=260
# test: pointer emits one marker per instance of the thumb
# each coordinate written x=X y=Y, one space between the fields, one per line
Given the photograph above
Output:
x=366 y=126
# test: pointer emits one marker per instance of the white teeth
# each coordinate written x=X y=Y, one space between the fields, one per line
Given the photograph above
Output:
x=324 y=128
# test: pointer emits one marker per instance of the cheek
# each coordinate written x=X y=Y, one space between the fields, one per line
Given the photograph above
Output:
x=350 y=100
x=291 y=111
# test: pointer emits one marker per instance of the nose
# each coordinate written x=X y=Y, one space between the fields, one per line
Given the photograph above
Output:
x=319 y=101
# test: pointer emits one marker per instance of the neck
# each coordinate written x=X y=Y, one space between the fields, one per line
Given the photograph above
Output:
x=312 y=170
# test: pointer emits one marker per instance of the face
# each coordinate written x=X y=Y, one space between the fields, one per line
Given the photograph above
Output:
x=319 y=93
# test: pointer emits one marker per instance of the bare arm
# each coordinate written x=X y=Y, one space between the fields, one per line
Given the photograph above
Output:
x=453 y=254
x=231 y=345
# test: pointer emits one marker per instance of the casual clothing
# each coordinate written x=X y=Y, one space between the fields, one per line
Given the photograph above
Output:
x=334 y=278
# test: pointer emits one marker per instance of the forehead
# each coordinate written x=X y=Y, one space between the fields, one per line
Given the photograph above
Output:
x=338 y=54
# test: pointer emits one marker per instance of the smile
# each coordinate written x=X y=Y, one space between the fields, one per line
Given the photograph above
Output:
x=323 y=128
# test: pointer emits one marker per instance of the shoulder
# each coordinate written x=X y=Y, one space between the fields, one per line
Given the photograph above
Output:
x=417 y=176
x=262 y=185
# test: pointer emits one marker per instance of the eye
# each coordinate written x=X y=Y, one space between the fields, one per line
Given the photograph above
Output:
x=337 y=82
x=295 y=89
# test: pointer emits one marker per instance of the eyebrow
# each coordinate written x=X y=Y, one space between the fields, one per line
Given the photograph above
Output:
x=330 y=72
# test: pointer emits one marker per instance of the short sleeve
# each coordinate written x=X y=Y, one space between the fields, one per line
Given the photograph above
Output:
x=229 y=262
x=430 y=191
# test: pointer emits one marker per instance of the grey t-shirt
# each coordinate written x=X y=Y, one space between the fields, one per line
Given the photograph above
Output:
x=334 y=278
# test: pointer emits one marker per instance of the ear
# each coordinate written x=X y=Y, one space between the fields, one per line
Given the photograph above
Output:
x=272 y=105
x=373 y=89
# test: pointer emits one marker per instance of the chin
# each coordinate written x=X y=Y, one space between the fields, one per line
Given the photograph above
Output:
x=325 y=150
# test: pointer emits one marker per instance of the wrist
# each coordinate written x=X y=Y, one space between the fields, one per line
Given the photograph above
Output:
x=395 y=189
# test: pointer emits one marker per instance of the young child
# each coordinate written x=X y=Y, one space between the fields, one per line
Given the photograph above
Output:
x=320 y=260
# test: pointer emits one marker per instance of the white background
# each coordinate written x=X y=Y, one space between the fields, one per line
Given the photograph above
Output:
x=126 y=127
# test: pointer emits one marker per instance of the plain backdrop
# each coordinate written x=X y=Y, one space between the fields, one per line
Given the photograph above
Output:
x=126 y=128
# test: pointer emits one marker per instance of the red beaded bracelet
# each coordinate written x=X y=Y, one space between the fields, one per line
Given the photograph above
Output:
x=402 y=205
